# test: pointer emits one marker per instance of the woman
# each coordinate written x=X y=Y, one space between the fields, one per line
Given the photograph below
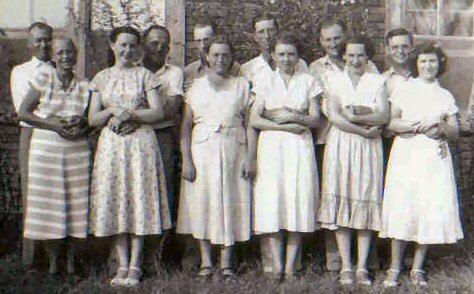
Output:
x=215 y=198
x=351 y=197
x=58 y=180
x=420 y=198
x=128 y=191
x=286 y=182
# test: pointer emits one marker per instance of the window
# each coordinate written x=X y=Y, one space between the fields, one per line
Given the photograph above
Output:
x=19 y=14
x=439 y=18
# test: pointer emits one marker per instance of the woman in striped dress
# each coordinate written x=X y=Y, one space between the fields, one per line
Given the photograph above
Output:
x=58 y=180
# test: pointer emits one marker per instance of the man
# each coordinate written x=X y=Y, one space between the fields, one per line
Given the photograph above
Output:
x=332 y=33
x=39 y=42
x=399 y=46
x=265 y=29
x=156 y=46
x=204 y=29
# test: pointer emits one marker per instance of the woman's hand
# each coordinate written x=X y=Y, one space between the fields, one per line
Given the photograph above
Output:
x=117 y=110
x=348 y=112
x=373 y=132
x=361 y=110
x=294 y=128
x=424 y=125
x=279 y=115
x=128 y=127
x=248 y=167
x=189 y=171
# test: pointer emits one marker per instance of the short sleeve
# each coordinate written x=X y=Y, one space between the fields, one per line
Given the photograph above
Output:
x=41 y=81
x=98 y=81
x=176 y=84
x=248 y=98
x=315 y=88
x=451 y=107
x=259 y=88
x=150 y=82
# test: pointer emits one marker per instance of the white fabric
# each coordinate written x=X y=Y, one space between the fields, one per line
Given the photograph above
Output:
x=216 y=206
x=420 y=198
x=20 y=78
x=286 y=192
x=352 y=169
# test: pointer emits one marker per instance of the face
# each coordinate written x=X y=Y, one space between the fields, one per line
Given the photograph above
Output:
x=285 y=57
x=265 y=31
x=202 y=36
x=156 y=45
x=64 y=54
x=125 y=48
x=355 y=55
x=219 y=58
x=399 y=49
x=428 y=66
x=40 y=43
x=331 y=37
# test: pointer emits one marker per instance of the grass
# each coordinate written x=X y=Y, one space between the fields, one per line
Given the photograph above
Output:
x=450 y=270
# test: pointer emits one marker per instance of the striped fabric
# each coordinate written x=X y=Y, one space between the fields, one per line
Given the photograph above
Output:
x=58 y=187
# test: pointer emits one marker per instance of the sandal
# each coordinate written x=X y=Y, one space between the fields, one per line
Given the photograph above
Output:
x=205 y=272
x=134 y=276
x=120 y=277
x=346 y=277
x=391 y=279
x=362 y=277
x=417 y=278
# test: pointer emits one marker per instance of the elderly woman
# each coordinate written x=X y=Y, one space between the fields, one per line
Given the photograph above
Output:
x=58 y=181
x=128 y=195
x=420 y=198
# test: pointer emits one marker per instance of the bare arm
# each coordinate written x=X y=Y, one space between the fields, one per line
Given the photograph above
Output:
x=450 y=128
x=97 y=116
x=25 y=113
x=152 y=114
x=397 y=124
x=290 y=116
x=189 y=169
x=336 y=118
x=258 y=122
x=379 y=115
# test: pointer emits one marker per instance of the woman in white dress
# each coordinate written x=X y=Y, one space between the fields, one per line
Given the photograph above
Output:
x=128 y=194
x=420 y=198
x=215 y=196
x=351 y=199
x=286 y=193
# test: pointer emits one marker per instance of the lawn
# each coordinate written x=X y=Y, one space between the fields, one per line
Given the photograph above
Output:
x=450 y=270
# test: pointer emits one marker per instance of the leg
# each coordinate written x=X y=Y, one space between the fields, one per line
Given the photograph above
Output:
x=364 y=238
x=417 y=274
x=275 y=242
x=121 y=245
x=28 y=248
x=52 y=248
x=266 y=254
x=373 y=262
x=135 y=272
x=226 y=261
x=206 y=258
x=343 y=238
x=398 y=247
x=293 y=247
x=71 y=256
x=333 y=259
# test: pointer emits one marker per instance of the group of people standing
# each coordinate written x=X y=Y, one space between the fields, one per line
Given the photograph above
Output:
x=272 y=148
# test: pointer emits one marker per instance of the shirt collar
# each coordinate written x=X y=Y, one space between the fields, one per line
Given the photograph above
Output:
x=329 y=64
x=37 y=63
x=163 y=69
x=391 y=72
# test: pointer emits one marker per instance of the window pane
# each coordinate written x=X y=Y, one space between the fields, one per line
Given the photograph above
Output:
x=14 y=14
x=420 y=16
x=54 y=12
x=458 y=18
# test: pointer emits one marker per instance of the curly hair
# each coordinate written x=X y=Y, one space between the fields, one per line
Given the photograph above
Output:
x=287 y=38
x=429 y=48
x=358 y=39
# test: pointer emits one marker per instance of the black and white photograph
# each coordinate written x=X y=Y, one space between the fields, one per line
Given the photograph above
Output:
x=236 y=146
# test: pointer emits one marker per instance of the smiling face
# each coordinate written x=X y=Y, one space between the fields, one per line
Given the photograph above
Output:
x=265 y=31
x=219 y=58
x=399 y=49
x=355 y=56
x=64 y=54
x=285 y=57
x=201 y=37
x=428 y=66
x=39 y=42
x=125 y=49
x=156 y=45
x=331 y=38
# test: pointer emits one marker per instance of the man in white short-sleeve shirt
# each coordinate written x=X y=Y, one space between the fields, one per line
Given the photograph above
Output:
x=39 y=41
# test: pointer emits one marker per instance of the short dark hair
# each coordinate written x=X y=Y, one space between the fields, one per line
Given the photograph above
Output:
x=66 y=39
x=331 y=21
x=264 y=15
x=157 y=27
x=429 y=48
x=42 y=26
x=287 y=38
x=124 y=30
x=220 y=39
x=398 y=32
x=205 y=21
x=358 y=39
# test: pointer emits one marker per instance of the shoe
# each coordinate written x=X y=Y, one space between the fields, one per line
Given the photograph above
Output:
x=134 y=276
x=120 y=277
x=392 y=278
x=417 y=278
x=346 y=277
x=205 y=272
x=228 y=273
x=363 y=278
